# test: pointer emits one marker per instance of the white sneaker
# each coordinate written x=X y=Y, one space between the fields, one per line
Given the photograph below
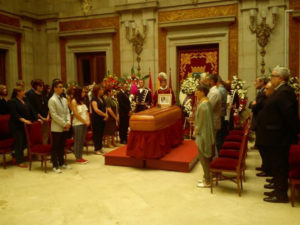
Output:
x=57 y=170
x=203 y=185
x=67 y=167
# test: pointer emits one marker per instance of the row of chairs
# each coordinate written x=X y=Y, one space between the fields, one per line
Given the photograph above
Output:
x=232 y=157
x=294 y=172
x=34 y=142
x=230 y=165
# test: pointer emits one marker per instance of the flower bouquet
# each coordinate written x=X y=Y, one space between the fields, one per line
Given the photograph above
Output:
x=111 y=81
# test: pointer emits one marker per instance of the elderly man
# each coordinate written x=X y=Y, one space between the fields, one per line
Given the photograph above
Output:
x=279 y=121
x=215 y=99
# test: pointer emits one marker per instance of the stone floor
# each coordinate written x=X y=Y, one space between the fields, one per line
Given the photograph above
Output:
x=98 y=194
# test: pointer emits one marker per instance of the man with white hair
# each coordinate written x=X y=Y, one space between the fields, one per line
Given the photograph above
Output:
x=279 y=121
x=163 y=89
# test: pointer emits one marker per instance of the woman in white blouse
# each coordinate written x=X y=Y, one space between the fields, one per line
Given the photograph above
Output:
x=80 y=123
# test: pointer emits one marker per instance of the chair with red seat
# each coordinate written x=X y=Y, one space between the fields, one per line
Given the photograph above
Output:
x=89 y=138
x=35 y=144
x=234 y=138
x=232 y=166
x=7 y=141
x=229 y=153
x=238 y=132
x=231 y=145
x=294 y=173
x=69 y=144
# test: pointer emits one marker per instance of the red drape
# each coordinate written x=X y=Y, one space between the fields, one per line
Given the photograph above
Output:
x=154 y=144
x=198 y=59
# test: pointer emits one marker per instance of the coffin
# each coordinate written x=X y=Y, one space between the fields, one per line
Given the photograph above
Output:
x=155 y=118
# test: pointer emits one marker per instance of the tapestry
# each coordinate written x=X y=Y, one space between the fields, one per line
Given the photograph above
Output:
x=198 y=59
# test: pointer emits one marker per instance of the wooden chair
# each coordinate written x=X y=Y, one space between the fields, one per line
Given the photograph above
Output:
x=294 y=173
x=69 y=147
x=89 y=137
x=35 y=144
x=88 y=140
x=232 y=166
x=6 y=142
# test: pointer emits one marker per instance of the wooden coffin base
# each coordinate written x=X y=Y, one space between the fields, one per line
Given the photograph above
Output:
x=182 y=158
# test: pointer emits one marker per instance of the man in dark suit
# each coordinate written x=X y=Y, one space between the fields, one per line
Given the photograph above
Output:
x=256 y=106
x=124 y=111
x=280 y=127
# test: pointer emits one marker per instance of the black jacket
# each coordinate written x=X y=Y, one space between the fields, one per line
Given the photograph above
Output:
x=260 y=101
x=278 y=123
x=19 y=110
x=4 y=110
x=39 y=103
x=124 y=104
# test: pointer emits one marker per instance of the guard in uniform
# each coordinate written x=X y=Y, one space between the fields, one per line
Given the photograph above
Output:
x=143 y=97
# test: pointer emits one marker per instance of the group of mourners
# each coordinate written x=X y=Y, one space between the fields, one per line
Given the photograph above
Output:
x=275 y=122
x=71 y=113
x=276 y=125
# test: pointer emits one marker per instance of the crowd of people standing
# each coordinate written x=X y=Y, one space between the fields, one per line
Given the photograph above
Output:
x=275 y=122
x=65 y=114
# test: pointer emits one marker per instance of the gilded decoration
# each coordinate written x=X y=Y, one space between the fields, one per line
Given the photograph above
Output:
x=137 y=40
x=198 y=69
x=9 y=20
x=263 y=32
x=89 y=24
x=198 y=60
x=206 y=12
x=86 y=7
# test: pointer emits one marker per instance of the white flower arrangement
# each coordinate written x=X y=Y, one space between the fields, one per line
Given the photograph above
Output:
x=189 y=85
x=187 y=107
x=238 y=85
x=132 y=102
x=294 y=83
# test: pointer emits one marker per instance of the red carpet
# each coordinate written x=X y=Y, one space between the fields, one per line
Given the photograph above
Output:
x=118 y=157
x=182 y=158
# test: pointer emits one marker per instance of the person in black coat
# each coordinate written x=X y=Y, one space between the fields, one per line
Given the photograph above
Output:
x=258 y=103
x=4 y=110
x=99 y=116
x=21 y=113
x=124 y=112
x=265 y=168
x=39 y=103
x=256 y=106
x=279 y=129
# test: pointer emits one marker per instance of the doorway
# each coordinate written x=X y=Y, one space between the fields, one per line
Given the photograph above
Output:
x=91 y=67
x=2 y=66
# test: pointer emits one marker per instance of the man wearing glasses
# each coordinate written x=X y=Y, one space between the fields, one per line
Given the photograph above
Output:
x=279 y=122
x=60 y=125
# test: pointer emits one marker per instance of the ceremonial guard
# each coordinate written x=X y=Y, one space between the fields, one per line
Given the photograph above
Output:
x=143 y=97
x=163 y=89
